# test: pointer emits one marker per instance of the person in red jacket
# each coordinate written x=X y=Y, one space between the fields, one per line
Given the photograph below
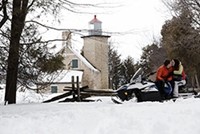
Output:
x=163 y=75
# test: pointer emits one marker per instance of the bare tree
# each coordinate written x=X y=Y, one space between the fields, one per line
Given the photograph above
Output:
x=192 y=6
x=180 y=35
x=152 y=57
x=19 y=31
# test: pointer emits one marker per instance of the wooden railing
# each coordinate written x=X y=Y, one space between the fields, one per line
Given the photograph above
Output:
x=75 y=93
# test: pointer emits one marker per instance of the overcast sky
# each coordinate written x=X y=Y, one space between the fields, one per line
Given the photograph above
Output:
x=141 y=20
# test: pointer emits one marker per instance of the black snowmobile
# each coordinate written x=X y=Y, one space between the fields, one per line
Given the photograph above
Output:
x=139 y=89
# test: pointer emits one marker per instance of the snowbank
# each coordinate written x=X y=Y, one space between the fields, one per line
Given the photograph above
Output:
x=180 y=117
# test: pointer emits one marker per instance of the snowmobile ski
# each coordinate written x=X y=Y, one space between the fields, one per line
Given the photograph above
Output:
x=116 y=101
x=183 y=96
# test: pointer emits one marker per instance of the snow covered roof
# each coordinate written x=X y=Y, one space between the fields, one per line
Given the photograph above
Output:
x=60 y=47
x=83 y=59
x=65 y=76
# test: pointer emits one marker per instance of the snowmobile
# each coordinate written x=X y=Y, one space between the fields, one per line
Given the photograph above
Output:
x=140 y=89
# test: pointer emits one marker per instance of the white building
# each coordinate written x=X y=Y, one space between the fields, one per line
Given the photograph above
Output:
x=92 y=61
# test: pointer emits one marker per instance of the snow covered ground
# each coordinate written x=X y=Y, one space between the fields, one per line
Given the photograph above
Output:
x=29 y=116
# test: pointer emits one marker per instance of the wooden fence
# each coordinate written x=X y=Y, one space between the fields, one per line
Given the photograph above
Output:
x=75 y=93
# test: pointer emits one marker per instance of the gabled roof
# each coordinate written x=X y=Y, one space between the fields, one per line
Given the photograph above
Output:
x=77 y=54
x=83 y=59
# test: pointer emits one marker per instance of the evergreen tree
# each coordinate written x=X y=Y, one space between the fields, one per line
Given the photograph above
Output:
x=114 y=68
x=127 y=69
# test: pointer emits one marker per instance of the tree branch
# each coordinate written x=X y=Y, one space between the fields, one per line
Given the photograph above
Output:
x=5 y=15
x=42 y=42
x=197 y=2
x=53 y=28
x=31 y=4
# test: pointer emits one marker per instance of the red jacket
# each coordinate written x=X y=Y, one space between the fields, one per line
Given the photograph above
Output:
x=183 y=75
x=163 y=73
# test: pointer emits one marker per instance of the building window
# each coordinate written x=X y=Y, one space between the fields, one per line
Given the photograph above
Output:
x=74 y=63
x=54 y=89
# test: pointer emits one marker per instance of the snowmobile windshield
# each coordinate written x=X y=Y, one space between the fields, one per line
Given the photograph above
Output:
x=137 y=77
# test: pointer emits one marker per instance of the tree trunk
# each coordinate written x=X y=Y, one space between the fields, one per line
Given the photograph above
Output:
x=17 y=24
x=197 y=81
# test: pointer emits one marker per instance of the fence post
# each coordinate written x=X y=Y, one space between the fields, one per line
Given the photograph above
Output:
x=73 y=89
x=78 y=89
